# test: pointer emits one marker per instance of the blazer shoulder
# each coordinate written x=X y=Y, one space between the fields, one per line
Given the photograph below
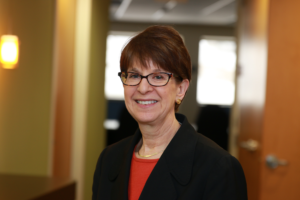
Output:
x=225 y=175
x=111 y=158
x=210 y=151
x=113 y=154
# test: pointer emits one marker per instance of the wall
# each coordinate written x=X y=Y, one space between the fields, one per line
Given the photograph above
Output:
x=89 y=108
x=25 y=92
x=96 y=138
x=62 y=96
x=191 y=35
x=53 y=94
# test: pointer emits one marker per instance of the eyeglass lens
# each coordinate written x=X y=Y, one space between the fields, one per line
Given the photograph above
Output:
x=157 y=79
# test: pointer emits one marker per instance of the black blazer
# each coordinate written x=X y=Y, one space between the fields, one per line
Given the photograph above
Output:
x=191 y=167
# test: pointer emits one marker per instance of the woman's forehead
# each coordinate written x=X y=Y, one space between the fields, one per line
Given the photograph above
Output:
x=141 y=69
x=148 y=65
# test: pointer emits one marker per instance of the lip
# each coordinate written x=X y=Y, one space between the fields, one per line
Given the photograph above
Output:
x=153 y=102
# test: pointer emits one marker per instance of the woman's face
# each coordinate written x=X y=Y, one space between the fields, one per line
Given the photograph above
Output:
x=148 y=104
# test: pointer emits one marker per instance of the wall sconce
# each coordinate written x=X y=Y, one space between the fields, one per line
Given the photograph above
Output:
x=9 y=51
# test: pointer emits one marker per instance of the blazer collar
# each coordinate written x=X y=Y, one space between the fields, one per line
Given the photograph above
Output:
x=177 y=160
x=180 y=152
x=120 y=169
x=122 y=161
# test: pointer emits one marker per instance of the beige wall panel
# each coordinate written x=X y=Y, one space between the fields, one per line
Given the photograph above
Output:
x=96 y=109
x=63 y=87
x=89 y=108
x=25 y=92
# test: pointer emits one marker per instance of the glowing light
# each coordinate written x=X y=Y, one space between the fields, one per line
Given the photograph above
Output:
x=9 y=51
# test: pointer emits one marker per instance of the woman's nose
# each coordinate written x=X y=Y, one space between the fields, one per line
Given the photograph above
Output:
x=144 y=86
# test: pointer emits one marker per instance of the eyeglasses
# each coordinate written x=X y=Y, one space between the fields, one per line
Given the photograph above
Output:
x=155 y=79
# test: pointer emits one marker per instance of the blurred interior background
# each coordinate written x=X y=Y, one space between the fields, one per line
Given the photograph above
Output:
x=63 y=102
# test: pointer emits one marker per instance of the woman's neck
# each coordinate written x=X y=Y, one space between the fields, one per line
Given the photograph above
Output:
x=155 y=138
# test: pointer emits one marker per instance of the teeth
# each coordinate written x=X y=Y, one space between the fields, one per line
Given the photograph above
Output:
x=146 y=102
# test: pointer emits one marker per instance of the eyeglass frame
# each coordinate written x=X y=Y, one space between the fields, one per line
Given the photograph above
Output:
x=146 y=77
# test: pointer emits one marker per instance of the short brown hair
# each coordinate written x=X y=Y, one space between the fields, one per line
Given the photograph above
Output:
x=163 y=46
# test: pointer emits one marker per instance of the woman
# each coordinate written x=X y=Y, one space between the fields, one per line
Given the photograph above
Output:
x=165 y=158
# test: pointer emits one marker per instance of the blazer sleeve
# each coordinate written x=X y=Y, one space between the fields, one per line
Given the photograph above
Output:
x=226 y=181
x=97 y=175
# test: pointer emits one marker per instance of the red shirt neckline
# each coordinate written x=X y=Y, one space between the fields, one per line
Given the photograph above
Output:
x=143 y=160
x=140 y=170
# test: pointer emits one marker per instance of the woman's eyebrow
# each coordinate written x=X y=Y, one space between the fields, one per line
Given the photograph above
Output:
x=133 y=70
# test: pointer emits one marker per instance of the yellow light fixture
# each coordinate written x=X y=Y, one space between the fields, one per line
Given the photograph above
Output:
x=9 y=51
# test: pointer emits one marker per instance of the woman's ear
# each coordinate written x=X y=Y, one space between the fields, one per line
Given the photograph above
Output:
x=182 y=88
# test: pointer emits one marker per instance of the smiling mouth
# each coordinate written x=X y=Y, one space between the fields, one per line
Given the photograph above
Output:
x=146 y=102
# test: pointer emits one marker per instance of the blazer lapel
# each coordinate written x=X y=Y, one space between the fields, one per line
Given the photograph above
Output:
x=174 y=166
x=159 y=185
x=120 y=170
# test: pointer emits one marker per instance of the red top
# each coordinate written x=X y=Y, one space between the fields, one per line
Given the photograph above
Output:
x=140 y=170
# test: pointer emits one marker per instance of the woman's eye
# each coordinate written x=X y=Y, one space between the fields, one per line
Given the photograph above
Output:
x=158 y=77
x=133 y=76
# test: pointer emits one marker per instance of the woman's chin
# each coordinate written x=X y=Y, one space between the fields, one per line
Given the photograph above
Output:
x=146 y=118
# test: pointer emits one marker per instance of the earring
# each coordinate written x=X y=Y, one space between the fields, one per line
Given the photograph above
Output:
x=178 y=101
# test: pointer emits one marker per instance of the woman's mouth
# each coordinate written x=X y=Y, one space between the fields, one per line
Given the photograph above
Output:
x=145 y=102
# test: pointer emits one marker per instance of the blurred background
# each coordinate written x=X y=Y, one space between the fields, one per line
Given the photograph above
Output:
x=62 y=103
